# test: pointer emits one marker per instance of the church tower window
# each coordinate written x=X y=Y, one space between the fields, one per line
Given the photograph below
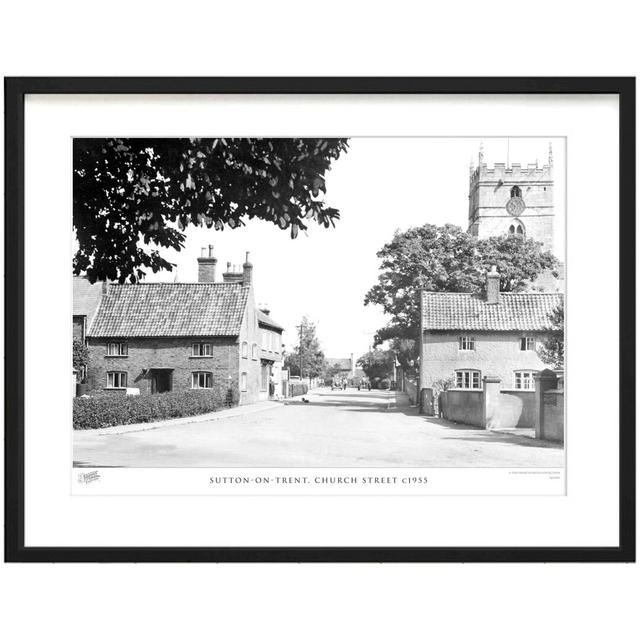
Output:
x=516 y=229
x=516 y=192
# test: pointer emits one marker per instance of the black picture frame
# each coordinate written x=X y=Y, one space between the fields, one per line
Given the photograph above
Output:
x=15 y=91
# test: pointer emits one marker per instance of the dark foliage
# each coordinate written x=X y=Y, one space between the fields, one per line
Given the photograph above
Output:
x=112 y=408
x=134 y=196
x=298 y=389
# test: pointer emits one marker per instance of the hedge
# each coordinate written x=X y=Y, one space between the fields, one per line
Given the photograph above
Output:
x=298 y=389
x=112 y=409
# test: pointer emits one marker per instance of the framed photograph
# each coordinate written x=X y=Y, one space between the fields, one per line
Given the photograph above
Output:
x=320 y=319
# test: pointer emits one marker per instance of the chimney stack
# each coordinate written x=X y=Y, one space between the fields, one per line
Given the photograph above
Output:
x=493 y=286
x=207 y=265
x=247 y=271
x=232 y=274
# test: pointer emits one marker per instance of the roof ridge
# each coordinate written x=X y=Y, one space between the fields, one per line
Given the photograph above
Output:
x=137 y=284
x=480 y=293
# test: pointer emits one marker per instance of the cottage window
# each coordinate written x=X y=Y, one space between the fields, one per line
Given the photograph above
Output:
x=466 y=343
x=245 y=349
x=524 y=380
x=117 y=349
x=254 y=351
x=116 y=379
x=201 y=380
x=467 y=379
x=527 y=344
x=243 y=381
x=265 y=337
x=202 y=350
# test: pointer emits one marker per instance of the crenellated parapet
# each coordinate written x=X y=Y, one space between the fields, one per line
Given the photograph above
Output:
x=515 y=172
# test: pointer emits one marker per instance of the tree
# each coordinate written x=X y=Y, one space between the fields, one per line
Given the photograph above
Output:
x=377 y=364
x=80 y=357
x=444 y=259
x=551 y=351
x=132 y=196
x=312 y=360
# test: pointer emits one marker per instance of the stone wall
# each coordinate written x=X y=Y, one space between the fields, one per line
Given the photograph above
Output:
x=462 y=405
x=553 y=415
x=493 y=408
x=517 y=408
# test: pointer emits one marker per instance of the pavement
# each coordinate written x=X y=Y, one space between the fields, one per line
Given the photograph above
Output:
x=334 y=429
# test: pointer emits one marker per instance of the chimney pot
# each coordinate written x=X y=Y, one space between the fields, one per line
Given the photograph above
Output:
x=211 y=251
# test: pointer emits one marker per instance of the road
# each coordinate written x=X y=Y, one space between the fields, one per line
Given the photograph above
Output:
x=335 y=429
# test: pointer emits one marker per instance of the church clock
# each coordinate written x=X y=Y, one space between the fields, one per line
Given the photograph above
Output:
x=515 y=206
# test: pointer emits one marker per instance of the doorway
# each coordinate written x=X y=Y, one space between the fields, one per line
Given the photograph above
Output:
x=161 y=380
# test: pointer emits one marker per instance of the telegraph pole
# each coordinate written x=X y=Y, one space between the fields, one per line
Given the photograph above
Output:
x=300 y=349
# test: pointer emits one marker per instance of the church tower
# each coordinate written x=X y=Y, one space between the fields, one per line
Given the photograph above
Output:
x=511 y=199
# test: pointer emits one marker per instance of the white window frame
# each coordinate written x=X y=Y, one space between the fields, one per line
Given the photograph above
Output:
x=265 y=338
x=526 y=341
x=243 y=381
x=524 y=380
x=119 y=376
x=254 y=351
x=202 y=350
x=195 y=379
x=244 y=349
x=466 y=343
x=469 y=378
x=120 y=349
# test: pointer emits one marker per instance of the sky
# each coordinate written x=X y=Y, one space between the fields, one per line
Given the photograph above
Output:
x=379 y=185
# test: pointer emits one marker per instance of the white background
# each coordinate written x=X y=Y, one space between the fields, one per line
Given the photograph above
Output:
x=320 y=601
x=587 y=516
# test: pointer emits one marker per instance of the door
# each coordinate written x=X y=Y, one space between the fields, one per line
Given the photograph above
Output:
x=161 y=380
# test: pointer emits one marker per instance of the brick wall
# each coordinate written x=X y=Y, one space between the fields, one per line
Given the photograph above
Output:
x=172 y=353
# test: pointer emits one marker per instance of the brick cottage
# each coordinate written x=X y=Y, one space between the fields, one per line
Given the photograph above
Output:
x=465 y=336
x=157 y=337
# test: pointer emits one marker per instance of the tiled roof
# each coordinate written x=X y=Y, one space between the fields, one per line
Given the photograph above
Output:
x=264 y=318
x=86 y=296
x=170 y=309
x=465 y=311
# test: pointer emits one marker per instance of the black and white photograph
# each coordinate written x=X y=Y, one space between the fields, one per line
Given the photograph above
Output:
x=362 y=302
x=320 y=320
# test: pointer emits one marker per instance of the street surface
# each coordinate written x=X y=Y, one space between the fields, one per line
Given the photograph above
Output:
x=335 y=429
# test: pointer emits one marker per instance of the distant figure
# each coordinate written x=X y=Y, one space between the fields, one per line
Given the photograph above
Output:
x=358 y=386
x=272 y=387
x=344 y=385
x=369 y=386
